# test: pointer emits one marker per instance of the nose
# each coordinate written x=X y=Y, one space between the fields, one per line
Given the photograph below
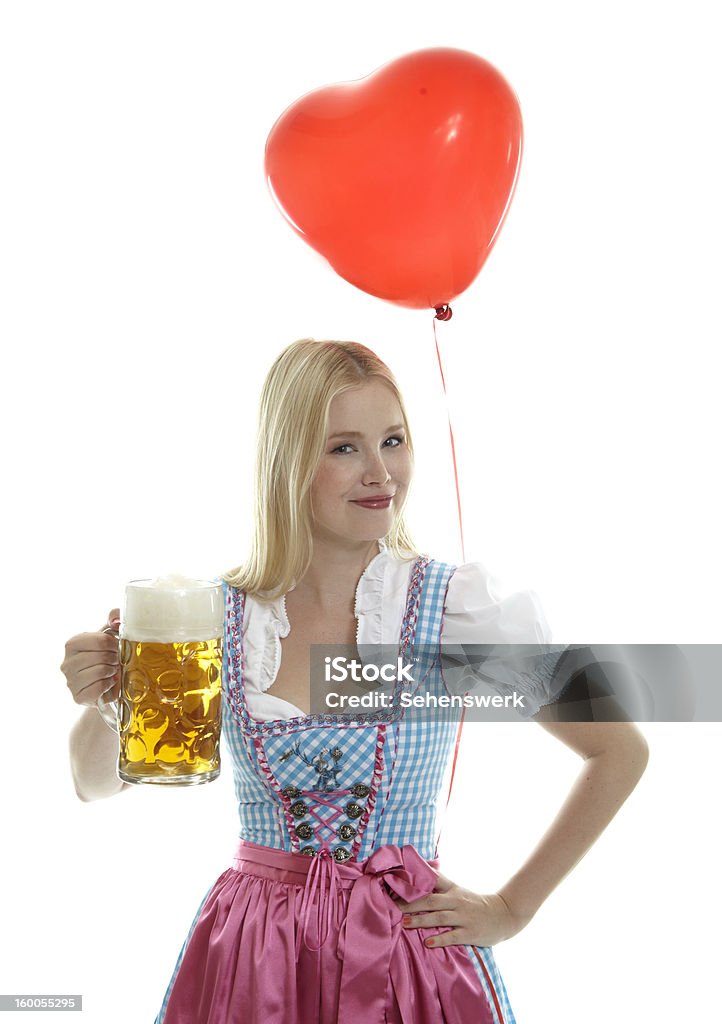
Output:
x=375 y=471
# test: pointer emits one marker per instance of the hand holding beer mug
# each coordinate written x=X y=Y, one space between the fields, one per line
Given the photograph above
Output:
x=168 y=712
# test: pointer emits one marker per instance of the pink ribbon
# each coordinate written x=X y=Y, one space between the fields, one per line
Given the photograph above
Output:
x=322 y=876
x=374 y=921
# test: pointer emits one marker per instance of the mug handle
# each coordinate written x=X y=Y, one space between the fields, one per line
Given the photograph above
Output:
x=109 y=708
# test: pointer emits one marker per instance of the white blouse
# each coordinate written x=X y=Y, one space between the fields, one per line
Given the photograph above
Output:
x=474 y=614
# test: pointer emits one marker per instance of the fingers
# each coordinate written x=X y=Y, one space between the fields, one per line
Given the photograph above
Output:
x=110 y=690
x=443 y=884
x=113 y=693
x=434 y=901
x=113 y=619
x=453 y=937
x=89 y=683
x=440 y=919
x=91 y=643
x=467 y=919
x=87 y=669
x=91 y=665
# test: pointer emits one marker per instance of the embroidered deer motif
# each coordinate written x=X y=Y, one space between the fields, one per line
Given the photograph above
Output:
x=326 y=771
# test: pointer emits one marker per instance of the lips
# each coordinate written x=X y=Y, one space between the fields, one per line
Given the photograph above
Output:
x=378 y=501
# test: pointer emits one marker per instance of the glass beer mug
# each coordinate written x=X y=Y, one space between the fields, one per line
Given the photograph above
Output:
x=168 y=712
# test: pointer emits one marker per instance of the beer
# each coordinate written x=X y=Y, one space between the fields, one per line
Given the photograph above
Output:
x=169 y=707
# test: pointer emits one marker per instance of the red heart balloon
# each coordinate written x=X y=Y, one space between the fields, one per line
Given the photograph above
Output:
x=403 y=178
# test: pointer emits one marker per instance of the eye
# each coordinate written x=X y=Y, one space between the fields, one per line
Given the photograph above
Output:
x=394 y=442
x=342 y=449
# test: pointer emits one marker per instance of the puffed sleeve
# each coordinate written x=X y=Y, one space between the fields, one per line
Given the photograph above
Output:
x=498 y=645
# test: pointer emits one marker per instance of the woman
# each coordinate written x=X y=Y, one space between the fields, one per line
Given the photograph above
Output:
x=334 y=909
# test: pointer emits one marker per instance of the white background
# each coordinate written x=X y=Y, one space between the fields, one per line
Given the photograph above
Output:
x=148 y=281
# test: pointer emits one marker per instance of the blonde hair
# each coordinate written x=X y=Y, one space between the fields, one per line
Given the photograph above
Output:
x=292 y=431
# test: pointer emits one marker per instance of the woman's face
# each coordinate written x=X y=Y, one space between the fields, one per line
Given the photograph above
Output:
x=364 y=473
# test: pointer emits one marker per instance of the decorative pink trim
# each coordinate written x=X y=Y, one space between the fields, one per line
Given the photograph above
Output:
x=497 y=1007
x=375 y=784
x=388 y=786
x=285 y=801
x=235 y=605
x=282 y=726
x=463 y=711
x=441 y=630
x=327 y=823
x=413 y=602
x=408 y=635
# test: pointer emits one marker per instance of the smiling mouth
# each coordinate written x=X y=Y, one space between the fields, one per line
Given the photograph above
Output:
x=381 y=501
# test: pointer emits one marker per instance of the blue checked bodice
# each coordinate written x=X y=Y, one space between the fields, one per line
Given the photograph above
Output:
x=331 y=782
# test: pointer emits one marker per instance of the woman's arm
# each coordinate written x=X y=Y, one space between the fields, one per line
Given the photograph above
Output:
x=94 y=757
x=91 y=668
x=615 y=755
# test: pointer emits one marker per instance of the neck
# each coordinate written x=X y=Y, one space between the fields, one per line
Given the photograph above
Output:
x=335 y=570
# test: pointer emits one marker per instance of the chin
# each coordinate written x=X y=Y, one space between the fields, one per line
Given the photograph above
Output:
x=368 y=536
x=352 y=534
x=357 y=529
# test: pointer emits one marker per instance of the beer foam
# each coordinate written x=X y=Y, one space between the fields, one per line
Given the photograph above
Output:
x=172 y=609
x=174 y=581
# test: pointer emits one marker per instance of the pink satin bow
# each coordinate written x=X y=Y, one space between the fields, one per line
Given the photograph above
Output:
x=373 y=923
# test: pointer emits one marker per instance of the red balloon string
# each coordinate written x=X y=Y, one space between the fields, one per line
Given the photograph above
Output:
x=447 y=310
x=451 y=437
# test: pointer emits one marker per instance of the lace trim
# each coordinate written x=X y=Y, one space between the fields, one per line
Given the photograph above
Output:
x=375 y=786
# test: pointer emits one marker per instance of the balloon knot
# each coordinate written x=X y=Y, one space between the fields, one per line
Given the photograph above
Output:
x=443 y=312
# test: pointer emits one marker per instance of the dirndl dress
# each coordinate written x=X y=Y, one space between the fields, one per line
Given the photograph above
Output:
x=338 y=820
